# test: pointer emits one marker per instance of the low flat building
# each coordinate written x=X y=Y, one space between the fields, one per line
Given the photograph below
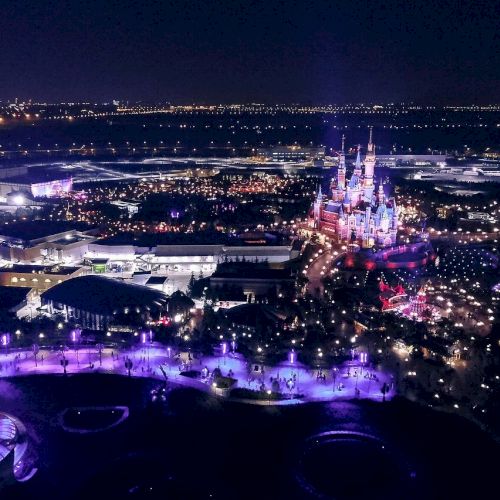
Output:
x=290 y=153
x=412 y=161
x=37 y=277
x=253 y=281
x=49 y=241
x=39 y=183
x=188 y=258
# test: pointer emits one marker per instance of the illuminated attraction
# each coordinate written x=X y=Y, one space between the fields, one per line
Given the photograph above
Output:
x=357 y=212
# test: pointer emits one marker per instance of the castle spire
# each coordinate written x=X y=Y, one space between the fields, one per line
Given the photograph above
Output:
x=369 y=167
x=341 y=169
x=357 y=166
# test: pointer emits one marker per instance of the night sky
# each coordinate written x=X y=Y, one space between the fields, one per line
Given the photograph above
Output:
x=442 y=52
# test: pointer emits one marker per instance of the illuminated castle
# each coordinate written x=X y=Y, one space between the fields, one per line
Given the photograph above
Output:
x=357 y=212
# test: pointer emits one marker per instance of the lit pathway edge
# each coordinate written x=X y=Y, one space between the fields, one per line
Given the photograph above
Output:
x=292 y=383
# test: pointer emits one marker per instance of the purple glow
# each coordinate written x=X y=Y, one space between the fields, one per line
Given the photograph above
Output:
x=169 y=352
x=144 y=337
x=75 y=335
x=233 y=345
x=363 y=357
x=52 y=189
x=224 y=348
x=291 y=357
x=5 y=339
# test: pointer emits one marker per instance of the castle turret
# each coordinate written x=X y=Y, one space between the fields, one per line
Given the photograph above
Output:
x=381 y=194
x=317 y=208
x=357 y=165
x=369 y=168
x=342 y=169
x=347 y=202
x=370 y=160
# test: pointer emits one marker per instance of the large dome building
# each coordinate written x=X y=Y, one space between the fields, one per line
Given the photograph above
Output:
x=357 y=212
x=94 y=302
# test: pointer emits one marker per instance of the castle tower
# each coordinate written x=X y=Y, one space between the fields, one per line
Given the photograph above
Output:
x=381 y=194
x=357 y=165
x=342 y=169
x=395 y=222
x=369 y=167
x=347 y=202
x=367 y=243
x=317 y=208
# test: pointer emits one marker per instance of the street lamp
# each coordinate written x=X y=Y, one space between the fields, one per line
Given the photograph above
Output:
x=100 y=347
x=64 y=361
x=75 y=337
x=5 y=340
x=224 y=351
x=35 y=350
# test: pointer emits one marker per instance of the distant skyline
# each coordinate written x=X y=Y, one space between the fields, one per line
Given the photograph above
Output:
x=315 y=52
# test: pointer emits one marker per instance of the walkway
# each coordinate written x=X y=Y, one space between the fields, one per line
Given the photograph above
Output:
x=347 y=381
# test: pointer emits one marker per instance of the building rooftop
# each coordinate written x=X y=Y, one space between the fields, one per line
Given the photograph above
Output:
x=103 y=295
x=33 y=230
x=38 y=269
x=249 y=270
x=36 y=176
x=157 y=280
x=187 y=250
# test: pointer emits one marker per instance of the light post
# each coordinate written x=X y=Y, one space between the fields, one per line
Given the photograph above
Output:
x=75 y=337
x=363 y=357
x=100 y=347
x=334 y=376
x=35 y=350
x=64 y=361
x=5 y=339
x=269 y=397
x=224 y=351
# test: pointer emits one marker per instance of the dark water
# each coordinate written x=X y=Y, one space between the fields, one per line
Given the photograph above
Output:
x=196 y=446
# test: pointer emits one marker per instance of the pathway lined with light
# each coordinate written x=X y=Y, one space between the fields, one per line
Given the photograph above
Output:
x=347 y=381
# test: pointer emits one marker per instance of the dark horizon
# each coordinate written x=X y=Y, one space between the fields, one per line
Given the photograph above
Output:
x=439 y=53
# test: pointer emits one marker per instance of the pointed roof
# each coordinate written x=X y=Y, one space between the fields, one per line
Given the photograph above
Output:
x=353 y=183
x=371 y=147
x=342 y=155
x=358 y=159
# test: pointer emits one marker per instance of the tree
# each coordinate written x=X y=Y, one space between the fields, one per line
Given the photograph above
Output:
x=190 y=285
x=384 y=390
